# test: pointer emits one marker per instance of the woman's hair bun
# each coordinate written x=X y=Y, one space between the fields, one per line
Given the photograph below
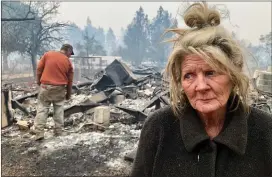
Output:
x=199 y=15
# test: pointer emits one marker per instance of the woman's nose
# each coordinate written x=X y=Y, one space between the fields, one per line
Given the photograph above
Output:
x=201 y=83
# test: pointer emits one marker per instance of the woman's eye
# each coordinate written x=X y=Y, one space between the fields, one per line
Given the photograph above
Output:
x=188 y=76
x=210 y=73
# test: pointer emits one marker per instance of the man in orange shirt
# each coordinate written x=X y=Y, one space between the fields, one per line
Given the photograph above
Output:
x=55 y=77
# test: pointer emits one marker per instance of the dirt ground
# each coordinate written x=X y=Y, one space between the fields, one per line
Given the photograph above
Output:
x=75 y=154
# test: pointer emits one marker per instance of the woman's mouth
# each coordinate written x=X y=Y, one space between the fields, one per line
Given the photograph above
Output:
x=205 y=99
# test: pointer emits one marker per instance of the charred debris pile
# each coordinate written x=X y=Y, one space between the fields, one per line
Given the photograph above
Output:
x=115 y=102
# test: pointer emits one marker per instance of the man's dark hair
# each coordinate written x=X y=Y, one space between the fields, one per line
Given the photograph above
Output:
x=65 y=47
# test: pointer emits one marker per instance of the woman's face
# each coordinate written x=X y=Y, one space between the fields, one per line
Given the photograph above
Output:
x=206 y=89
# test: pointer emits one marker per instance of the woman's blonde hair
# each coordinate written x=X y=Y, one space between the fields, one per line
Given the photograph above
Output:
x=212 y=43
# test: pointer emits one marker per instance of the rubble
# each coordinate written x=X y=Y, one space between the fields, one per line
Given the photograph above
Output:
x=261 y=94
x=157 y=100
x=106 y=112
x=120 y=73
x=79 y=108
x=103 y=83
x=98 y=97
x=74 y=119
x=76 y=99
x=145 y=71
x=116 y=99
x=32 y=150
x=24 y=97
x=137 y=104
x=7 y=115
x=131 y=155
x=104 y=115
x=140 y=116
x=23 y=125
x=77 y=88
x=17 y=105
x=116 y=74
x=130 y=91
x=263 y=80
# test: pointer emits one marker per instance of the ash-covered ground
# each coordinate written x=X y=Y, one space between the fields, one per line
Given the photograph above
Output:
x=75 y=154
x=81 y=151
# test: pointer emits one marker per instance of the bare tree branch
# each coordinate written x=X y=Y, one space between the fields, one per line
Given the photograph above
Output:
x=52 y=10
x=9 y=8
x=29 y=10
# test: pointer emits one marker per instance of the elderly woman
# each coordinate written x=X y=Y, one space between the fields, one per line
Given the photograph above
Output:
x=209 y=130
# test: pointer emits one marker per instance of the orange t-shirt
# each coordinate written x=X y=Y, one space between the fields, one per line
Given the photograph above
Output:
x=55 y=68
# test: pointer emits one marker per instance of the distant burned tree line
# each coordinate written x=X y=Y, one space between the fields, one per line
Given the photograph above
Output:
x=141 y=41
x=257 y=56
x=89 y=40
x=31 y=28
x=144 y=40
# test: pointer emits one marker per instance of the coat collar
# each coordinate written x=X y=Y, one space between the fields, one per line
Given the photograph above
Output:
x=233 y=134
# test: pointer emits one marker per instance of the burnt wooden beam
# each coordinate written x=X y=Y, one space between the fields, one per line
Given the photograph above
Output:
x=79 y=108
x=156 y=100
x=164 y=100
x=83 y=84
x=23 y=98
x=75 y=109
x=16 y=104
x=140 y=116
x=6 y=115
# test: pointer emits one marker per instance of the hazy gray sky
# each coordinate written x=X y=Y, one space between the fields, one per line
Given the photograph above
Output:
x=252 y=18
